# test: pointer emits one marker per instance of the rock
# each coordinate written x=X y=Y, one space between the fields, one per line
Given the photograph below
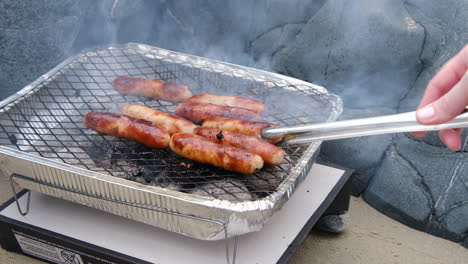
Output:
x=267 y=44
x=51 y=41
x=397 y=189
x=444 y=37
x=370 y=59
x=211 y=28
x=14 y=75
x=455 y=218
x=363 y=154
x=331 y=224
x=28 y=14
x=117 y=21
x=35 y=36
x=464 y=242
x=423 y=186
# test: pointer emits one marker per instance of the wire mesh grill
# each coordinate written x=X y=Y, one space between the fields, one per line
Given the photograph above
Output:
x=48 y=120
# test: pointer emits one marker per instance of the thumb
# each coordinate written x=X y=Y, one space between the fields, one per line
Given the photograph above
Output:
x=447 y=107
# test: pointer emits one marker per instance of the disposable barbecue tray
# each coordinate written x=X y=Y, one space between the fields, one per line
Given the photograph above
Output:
x=45 y=147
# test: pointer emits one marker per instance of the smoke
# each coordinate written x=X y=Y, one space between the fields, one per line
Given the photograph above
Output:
x=221 y=30
x=368 y=52
x=365 y=51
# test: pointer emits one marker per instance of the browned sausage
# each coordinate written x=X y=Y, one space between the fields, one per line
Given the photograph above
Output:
x=167 y=91
x=123 y=126
x=170 y=123
x=243 y=127
x=203 y=150
x=199 y=112
x=233 y=101
x=270 y=153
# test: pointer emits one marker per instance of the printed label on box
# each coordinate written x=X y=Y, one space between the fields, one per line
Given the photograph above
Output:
x=47 y=252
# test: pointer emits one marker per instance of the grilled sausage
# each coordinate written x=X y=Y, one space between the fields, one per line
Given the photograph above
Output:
x=233 y=101
x=167 y=91
x=243 y=127
x=203 y=150
x=199 y=112
x=170 y=123
x=270 y=153
x=123 y=126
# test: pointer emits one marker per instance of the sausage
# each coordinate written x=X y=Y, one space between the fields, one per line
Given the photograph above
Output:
x=170 y=123
x=123 y=126
x=199 y=112
x=167 y=91
x=233 y=101
x=270 y=153
x=242 y=127
x=203 y=150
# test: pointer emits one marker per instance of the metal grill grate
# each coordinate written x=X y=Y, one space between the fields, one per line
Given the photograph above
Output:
x=48 y=120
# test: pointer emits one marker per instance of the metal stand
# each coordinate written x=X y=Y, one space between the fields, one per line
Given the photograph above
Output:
x=15 y=195
x=138 y=205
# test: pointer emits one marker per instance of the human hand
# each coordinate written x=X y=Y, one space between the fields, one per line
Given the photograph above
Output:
x=446 y=97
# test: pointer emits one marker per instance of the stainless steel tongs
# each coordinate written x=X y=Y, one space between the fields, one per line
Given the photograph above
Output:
x=405 y=122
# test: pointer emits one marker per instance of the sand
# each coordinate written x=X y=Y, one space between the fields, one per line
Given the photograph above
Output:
x=370 y=237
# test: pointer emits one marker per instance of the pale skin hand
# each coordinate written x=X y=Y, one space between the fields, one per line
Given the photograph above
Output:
x=446 y=96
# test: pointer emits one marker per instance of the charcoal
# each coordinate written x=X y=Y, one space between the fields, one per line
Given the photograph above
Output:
x=226 y=189
x=267 y=181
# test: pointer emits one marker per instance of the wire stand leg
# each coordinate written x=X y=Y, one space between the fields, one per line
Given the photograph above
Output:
x=234 y=251
x=12 y=184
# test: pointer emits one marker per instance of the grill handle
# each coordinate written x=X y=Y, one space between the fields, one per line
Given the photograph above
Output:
x=404 y=122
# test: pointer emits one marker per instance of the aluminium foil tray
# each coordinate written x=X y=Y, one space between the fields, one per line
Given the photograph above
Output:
x=45 y=146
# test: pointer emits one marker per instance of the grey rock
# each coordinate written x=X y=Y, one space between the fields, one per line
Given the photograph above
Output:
x=370 y=59
x=363 y=154
x=35 y=36
x=117 y=21
x=267 y=44
x=445 y=35
x=423 y=186
x=15 y=75
x=28 y=14
x=331 y=224
x=397 y=189
x=45 y=42
x=464 y=242
x=224 y=30
x=455 y=219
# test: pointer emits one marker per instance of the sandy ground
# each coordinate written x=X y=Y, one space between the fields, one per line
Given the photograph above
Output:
x=370 y=238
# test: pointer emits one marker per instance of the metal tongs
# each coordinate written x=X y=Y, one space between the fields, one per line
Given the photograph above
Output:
x=405 y=122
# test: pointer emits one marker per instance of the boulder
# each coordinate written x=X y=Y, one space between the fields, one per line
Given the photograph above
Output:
x=363 y=154
x=369 y=56
x=35 y=36
x=423 y=186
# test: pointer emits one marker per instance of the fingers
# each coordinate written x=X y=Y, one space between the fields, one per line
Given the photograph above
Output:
x=445 y=97
x=450 y=74
x=451 y=138
x=418 y=134
x=447 y=107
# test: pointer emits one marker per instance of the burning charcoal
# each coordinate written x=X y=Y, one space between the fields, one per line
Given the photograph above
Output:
x=267 y=180
x=168 y=185
x=227 y=189
x=140 y=180
x=13 y=139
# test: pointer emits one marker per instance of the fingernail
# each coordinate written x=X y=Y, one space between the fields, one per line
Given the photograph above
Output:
x=426 y=112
